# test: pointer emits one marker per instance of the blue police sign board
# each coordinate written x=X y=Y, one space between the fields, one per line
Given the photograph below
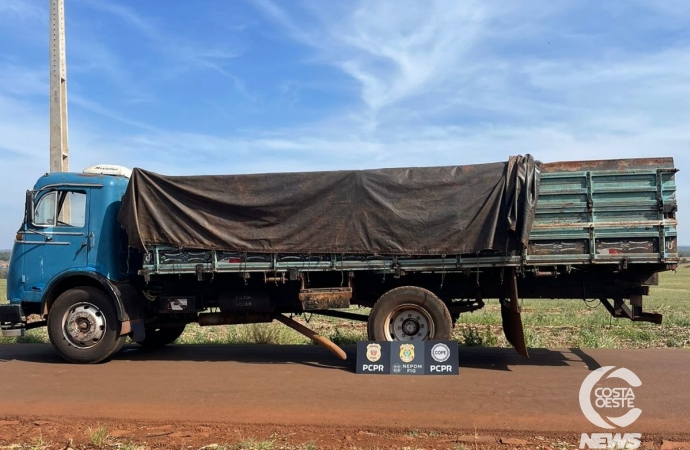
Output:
x=408 y=358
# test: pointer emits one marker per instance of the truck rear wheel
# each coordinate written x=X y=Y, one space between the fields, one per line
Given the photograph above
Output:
x=83 y=326
x=159 y=337
x=409 y=313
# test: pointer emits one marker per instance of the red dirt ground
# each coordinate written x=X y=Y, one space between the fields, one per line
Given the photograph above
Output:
x=302 y=397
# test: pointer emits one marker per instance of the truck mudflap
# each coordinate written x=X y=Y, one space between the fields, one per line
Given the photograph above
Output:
x=510 y=315
x=12 y=320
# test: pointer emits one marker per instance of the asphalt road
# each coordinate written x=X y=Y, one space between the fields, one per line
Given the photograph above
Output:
x=306 y=385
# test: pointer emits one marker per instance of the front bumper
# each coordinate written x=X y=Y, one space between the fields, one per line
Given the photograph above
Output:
x=12 y=320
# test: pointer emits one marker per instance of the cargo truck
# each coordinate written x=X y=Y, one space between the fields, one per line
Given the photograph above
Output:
x=110 y=253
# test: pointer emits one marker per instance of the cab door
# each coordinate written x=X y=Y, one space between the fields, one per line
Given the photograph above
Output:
x=57 y=238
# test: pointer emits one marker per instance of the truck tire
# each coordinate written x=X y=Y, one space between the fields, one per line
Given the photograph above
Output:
x=83 y=326
x=159 y=337
x=409 y=313
x=118 y=347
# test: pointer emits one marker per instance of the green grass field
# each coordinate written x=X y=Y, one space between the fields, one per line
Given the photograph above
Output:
x=548 y=324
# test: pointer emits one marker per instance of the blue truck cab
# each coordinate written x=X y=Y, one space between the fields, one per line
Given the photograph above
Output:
x=69 y=238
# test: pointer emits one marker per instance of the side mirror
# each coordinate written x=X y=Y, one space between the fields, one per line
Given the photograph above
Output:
x=29 y=208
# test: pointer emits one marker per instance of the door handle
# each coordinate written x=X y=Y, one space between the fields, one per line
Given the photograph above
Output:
x=91 y=240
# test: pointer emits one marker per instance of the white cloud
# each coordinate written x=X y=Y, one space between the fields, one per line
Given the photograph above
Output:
x=395 y=50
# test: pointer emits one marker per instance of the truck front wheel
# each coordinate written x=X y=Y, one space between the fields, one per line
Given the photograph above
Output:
x=409 y=313
x=83 y=326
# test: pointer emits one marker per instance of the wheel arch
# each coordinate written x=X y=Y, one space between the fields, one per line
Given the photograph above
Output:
x=69 y=280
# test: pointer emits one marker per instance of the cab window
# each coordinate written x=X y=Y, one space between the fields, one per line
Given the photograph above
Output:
x=45 y=210
x=61 y=209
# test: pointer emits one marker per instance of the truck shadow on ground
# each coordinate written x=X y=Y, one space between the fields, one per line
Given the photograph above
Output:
x=469 y=357
x=309 y=355
x=504 y=358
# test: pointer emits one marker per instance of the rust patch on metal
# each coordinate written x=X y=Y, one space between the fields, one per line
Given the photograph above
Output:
x=326 y=298
x=608 y=164
x=620 y=224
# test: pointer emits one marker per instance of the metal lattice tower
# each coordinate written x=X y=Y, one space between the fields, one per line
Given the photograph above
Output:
x=59 y=147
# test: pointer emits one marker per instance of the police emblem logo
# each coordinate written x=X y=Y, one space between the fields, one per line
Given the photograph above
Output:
x=407 y=353
x=373 y=352
x=440 y=352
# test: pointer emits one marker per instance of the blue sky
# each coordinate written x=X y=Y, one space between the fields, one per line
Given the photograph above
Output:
x=201 y=87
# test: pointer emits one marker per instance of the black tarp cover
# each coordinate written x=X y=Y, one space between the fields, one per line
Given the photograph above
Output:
x=407 y=211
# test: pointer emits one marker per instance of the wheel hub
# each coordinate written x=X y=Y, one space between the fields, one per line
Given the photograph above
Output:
x=83 y=325
x=410 y=327
x=409 y=323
